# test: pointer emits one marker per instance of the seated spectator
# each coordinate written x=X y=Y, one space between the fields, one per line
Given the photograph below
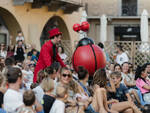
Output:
x=3 y=52
x=120 y=95
x=29 y=101
x=97 y=103
x=110 y=69
x=59 y=104
x=129 y=81
x=48 y=99
x=142 y=83
x=117 y=67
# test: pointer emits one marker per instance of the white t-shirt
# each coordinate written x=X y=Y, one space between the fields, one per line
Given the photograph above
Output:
x=28 y=78
x=58 y=107
x=121 y=58
x=39 y=93
x=3 y=54
x=63 y=56
x=12 y=100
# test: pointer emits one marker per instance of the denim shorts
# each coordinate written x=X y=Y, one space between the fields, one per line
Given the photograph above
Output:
x=90 y=109
x=146 y=97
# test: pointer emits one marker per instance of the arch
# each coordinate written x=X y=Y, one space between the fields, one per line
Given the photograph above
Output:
x=9 y=22
x=54 y=21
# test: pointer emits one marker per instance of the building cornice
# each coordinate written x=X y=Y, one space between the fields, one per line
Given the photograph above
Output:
x=117 y=17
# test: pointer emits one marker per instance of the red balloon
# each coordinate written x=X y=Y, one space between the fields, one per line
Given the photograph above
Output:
x=85 y=26
x=76 y=27
x=89 y=56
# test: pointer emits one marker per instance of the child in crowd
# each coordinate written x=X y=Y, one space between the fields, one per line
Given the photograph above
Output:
x=38 y=89
x=27 y=74
x=30 y=102
x=49 y=72
x=34 y=57
x=48 y=99
x=119 y=92
x=61 y=96
x=19 y=37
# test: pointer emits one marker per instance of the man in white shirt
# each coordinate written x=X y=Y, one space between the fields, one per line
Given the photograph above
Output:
x=13 y=98
x=121 y=56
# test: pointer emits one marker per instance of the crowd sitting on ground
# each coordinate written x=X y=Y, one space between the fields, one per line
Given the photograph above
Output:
x=62 y=90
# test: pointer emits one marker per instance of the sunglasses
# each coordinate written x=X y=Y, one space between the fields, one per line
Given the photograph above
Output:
x=65 y=75
x=31 y=65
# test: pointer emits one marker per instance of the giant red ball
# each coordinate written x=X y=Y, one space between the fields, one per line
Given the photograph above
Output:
x=89 y=56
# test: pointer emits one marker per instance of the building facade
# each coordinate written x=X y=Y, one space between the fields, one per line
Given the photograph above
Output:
x=35 y=17
x=123 y=18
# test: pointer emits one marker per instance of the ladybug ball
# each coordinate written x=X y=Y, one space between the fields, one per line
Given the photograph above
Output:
x=89 y=56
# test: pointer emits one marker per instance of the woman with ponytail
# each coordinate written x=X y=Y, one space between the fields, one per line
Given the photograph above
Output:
x=142 y=83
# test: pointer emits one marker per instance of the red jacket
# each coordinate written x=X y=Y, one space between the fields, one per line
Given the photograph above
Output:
x=46 y=58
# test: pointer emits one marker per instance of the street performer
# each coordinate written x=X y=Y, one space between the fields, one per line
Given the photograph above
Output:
x=49 y=53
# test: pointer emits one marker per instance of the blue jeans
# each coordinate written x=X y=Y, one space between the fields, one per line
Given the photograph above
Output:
x=90 y=109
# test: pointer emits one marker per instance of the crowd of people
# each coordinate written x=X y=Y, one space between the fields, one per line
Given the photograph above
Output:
x=59 y=89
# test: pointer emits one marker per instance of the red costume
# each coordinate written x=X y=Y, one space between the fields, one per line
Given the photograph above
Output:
x=46 y=55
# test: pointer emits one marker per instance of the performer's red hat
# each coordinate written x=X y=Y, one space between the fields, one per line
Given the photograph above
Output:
x=54 y=32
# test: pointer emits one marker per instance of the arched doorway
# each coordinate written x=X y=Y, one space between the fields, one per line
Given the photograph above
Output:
x=8 y=27
x=56 y=21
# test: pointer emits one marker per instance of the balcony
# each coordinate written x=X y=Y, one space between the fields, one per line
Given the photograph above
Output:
x=68 y=6
x=21 y=2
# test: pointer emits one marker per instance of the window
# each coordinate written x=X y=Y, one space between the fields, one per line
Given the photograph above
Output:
x=129 y=7
x=3 y=38
x=127 y=33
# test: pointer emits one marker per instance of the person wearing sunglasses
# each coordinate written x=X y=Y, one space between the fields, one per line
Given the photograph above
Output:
x=66 y=76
